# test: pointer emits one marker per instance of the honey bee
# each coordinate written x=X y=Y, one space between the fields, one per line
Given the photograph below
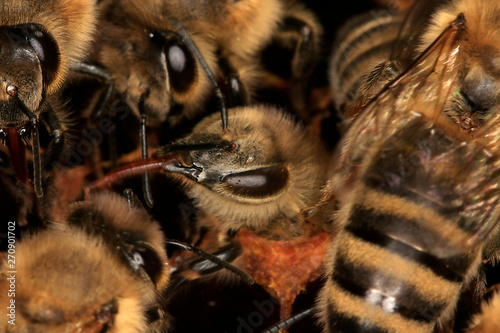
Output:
x=103 y=269
x=419 y=198
x=149 y=59
x=100 y=270
x=39 y=41
x=250 y=183
x=259 y=173
x=258 y=41
x=165 y=69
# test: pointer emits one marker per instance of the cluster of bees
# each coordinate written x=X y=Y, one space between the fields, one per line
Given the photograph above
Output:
x=165 y=158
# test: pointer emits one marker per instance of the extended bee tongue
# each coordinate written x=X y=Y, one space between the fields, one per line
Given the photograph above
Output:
x=157 y=164
x=17 y=152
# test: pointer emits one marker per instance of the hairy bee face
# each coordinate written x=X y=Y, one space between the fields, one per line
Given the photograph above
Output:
x=479 y=66
x=145 y=55
x=259 y=172
x=422 y=203
x=38 y=41
x=254 y=173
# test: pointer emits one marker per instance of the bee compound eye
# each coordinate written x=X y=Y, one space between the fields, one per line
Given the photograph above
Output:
x=181 y=66
x=258 y=183
x=145 y=257
x=46 y=50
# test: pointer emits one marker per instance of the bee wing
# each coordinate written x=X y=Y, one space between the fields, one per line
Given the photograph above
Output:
x=403 y=145
x=396 y=103
x=414 y=23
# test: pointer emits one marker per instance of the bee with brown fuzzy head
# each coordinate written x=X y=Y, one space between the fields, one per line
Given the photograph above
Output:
x=259 y=173
x=39 y=40
x=100 y=270
x=103 y=269
x=165 y=69
x=419 y=201
x=155 y=62
x=147 y=58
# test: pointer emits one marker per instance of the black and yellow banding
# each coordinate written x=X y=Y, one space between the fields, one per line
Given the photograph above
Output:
x=364 y=43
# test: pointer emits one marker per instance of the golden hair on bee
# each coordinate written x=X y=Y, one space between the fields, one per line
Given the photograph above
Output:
x=483 y=26
x=480 y=91
x=243 y=27
x=100 y=270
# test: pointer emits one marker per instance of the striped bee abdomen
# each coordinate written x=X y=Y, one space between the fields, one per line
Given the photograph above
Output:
x=360 y=63
x=412 y=233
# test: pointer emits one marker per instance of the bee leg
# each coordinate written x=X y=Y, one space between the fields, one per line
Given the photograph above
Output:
x=370 y=84
x=295 y=40
x=15 y=199
x=283 y=325
x=100 y=109
x=306 y=52
x=56 y=145
x=51 y=159
x=101 y=74
x=206 y=266
x=209 y=263
x=303 y=64
x=148 y=196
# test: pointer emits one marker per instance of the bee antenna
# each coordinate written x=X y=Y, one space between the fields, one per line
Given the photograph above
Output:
x=290 y=321
x=192 y=46
x=37 y=162
x=213 y=258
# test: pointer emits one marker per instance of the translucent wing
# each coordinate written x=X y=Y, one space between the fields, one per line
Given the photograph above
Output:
x=416 y=19
x=403 y=145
